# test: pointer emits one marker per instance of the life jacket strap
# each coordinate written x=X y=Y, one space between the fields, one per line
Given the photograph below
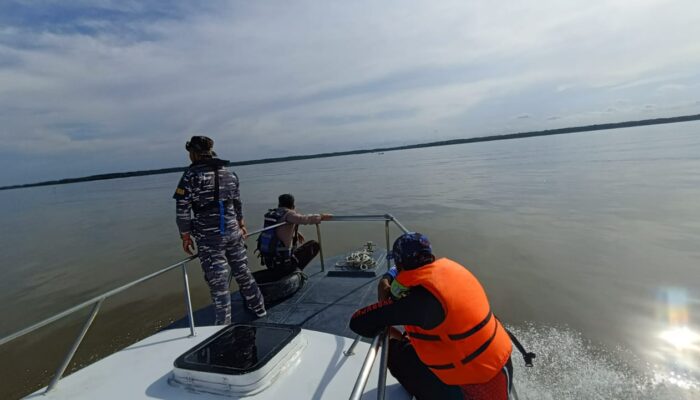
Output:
x=476 y=353
x=473 y=330
x=424 y=336
x=222 y=210
x=295 y=237
x=441 y=366
x=458 y=336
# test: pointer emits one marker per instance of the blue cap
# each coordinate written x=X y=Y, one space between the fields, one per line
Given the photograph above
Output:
x=412 y=250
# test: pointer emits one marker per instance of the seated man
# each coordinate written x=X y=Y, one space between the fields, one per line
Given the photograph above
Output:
x=454 y=347
x=278 y=247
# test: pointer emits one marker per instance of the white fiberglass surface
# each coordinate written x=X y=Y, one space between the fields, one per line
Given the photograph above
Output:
x=141 y=371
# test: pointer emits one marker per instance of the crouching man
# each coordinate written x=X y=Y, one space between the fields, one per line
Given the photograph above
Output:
x=284 y=248
x=453 y=346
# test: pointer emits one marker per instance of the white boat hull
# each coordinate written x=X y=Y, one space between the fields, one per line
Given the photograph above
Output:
x=142 y=371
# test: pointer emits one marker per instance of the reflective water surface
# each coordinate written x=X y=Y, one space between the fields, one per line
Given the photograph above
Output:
x=587 y=244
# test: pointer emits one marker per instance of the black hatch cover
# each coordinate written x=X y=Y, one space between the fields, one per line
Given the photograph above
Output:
x=238 y=349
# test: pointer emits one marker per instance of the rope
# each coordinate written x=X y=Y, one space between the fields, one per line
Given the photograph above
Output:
x=362 y=259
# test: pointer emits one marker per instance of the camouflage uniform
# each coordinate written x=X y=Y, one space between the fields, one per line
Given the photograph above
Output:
x=215 y=228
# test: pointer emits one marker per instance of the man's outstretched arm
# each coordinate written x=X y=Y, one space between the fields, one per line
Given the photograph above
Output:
x=418 y=308
x=294 y=217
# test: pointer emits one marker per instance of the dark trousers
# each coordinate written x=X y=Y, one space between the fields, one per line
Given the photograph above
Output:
x=217 y=255
x=301 y=257
x=305 y=253
x=418 y=380
x=415 y=377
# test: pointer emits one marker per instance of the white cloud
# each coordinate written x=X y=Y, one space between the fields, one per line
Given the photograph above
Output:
x=309 y=76
x=671 y=87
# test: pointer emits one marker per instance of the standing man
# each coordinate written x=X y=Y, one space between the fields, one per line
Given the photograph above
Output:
x=454 y=347
x=209 y=211
x=284 y=248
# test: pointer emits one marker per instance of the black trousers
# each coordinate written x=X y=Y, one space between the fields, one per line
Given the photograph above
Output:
x=418 y=380
x=415 y=377
x=301 y=257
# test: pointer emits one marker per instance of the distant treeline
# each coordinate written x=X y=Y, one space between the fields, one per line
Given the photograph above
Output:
x=560 y=131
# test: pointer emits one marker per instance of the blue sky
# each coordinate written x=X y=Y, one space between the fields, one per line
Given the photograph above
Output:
x=100 y=86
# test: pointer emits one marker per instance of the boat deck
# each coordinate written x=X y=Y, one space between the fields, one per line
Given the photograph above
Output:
x=324 y=304
x=141 y=371
x=322 y=308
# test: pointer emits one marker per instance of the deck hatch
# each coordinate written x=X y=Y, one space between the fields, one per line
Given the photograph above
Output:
x=238 y=349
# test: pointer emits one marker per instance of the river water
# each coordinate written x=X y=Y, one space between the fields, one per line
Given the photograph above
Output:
x=587 y=244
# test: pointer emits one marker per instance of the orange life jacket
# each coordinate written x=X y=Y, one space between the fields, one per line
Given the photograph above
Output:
x=470 y=346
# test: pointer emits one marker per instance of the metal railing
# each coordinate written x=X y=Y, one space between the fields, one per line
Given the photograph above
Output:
x=378 y=347
x=387 y=218
x=380 y=343
x=97 y=301
x=363 y=376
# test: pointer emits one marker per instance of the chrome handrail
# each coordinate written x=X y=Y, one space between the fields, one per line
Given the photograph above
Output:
x=97 y=301
x=320 y=248
x=380 y=343
x=261 y=230
x=363 y=376
x=397 y=222
x=351 y=350
x=383 y=360
x=360 y=218
x=66 y=360
x=93 y=301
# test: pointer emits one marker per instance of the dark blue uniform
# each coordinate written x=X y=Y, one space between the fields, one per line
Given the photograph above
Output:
x=209 y=208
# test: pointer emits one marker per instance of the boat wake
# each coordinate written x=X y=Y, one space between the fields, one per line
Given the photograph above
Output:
x=569 y=367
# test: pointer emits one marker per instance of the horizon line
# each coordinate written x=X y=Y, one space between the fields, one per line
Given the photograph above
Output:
x=450 y=142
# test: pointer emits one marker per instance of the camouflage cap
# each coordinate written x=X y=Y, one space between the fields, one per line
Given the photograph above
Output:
x=200 y=145
x=412 y=250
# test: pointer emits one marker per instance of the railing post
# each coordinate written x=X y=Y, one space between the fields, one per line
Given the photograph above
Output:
x=397 y=222
x=351 y=350
x=384 y=358
x=388 y=250
x=62 y=368
x=320 y=247
x=513 y=394
x=188 y=300
x=362 y=378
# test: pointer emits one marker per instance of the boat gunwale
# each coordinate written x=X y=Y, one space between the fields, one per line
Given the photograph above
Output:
x=98 y=300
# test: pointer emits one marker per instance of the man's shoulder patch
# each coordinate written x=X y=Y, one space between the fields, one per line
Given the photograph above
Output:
x=179 y=193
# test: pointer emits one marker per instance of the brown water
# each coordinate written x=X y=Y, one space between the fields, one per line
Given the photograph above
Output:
x=587 y=244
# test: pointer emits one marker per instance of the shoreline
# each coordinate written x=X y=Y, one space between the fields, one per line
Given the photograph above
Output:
x=519 y=135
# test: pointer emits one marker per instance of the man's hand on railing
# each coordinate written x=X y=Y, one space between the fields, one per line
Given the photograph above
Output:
x=244 y=230
x=326 y=217
x=395 y=334
x=187 y=243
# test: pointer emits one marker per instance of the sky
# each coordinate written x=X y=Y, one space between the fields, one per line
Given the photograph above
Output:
x=91 y=87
